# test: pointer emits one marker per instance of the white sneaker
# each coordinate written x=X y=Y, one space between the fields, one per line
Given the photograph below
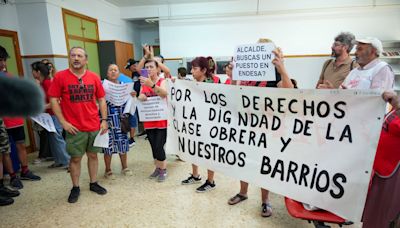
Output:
x=37 y=161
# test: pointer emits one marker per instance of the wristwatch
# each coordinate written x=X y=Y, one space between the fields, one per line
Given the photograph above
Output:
x=154 y=86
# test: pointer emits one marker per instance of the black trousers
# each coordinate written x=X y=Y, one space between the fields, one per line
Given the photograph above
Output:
x=157 y=139
x=44 y=151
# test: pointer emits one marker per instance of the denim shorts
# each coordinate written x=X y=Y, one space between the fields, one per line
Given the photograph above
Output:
x=133 y=120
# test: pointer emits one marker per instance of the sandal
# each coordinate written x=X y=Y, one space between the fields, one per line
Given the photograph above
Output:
x=236 y=199
x=127 y=172
x=109 y=175
x=266 y=210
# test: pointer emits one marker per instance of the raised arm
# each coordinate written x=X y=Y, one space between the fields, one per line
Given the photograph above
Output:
x=280 y=67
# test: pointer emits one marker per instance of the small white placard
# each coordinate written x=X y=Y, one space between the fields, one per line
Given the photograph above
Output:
x=253 y=62
x=154 y=109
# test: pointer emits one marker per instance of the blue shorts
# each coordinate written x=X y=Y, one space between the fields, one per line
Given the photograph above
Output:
x=133 y=120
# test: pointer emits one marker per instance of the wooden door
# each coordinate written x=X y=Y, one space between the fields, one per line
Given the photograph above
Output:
x=9 y=40
x=123 y=52
x=82 y=31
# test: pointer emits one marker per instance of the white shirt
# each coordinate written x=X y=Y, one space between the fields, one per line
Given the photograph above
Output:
x=375 y=75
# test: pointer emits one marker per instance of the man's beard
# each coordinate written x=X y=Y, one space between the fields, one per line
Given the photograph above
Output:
x=77 y=67
x=334 y=54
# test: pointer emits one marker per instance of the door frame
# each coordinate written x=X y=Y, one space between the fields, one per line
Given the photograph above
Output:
x=14 y=36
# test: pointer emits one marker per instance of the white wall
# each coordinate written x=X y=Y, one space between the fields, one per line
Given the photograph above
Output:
x=143 y=34
x=149 y=35
x=301 y=33
x=297 y=34
x=111 y=26
x=8 y=17
x=35 y=34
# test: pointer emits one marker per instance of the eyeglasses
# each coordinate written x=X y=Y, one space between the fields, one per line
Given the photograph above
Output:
x=81 y=85
x=337 y=43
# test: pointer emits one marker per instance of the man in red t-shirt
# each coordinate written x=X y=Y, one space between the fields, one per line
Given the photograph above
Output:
x=73 y=96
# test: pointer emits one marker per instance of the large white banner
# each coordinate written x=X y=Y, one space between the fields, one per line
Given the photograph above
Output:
x=117 y=94
x=253 y=62
x=314 y=146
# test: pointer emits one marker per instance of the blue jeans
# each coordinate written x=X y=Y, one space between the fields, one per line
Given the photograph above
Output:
x=133 y=120
x=57 y=144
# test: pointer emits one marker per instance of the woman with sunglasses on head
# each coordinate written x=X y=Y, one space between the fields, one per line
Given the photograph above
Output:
x=51 y=67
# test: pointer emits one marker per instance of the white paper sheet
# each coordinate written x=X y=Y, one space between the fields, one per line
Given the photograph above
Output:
x=101 y=140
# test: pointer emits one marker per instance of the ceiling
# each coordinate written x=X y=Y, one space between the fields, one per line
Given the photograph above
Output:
x=124 y=3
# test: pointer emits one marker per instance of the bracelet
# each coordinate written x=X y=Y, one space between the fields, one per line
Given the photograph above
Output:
x=154 y=86
x=104 y=119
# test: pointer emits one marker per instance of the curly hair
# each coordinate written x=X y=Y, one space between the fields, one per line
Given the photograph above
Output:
x=347 y=39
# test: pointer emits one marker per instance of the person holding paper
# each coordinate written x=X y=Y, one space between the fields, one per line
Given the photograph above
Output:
x=73 y=95
x=202 y=73
x=382 y=206
x=118 y=140
x=152 y=86
x=41 y=72
x=283 y=81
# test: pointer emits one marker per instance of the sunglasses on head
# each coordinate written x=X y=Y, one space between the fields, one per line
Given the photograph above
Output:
x=81 y=85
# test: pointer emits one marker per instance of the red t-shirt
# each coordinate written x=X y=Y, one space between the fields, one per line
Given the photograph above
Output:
x=46 y=86
x=253 y=83
x=13 y=122
x=78 y=99
x=161 y=124
x=388 y=153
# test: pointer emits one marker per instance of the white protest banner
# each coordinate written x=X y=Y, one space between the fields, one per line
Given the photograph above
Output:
x=117 y=94
x=154 y=109
x=253 y=62
x=45 y=120
x=314 y=146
